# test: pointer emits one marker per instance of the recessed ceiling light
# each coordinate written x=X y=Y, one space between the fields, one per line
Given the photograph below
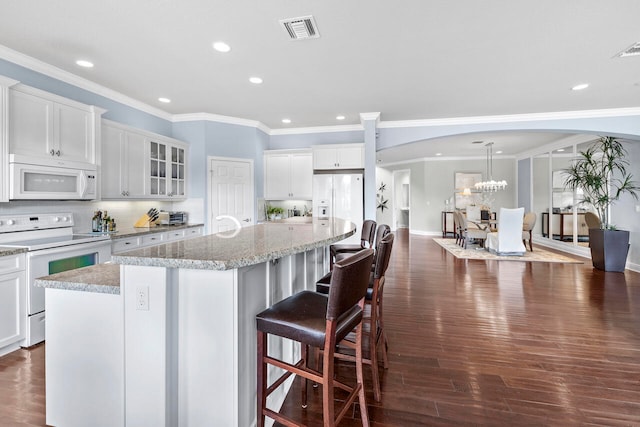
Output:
x=560 y=150
x=340 y=117
x=165 y=100
x=255 y=80
x=499 y=152
x=438 y=154
x=221 y=47
x=84 y=63
x=286 y=121
x=580 y=86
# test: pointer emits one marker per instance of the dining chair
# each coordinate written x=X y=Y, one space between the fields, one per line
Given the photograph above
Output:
x=592 y=220
x=508 y=239
x=470 y=230
x=528 y=222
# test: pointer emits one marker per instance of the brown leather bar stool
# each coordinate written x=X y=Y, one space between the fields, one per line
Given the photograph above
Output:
x=366 y=241
x=320 y=321
x=374 y=323
x=382 y=230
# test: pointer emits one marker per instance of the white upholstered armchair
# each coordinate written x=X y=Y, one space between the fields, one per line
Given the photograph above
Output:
x=508 y=239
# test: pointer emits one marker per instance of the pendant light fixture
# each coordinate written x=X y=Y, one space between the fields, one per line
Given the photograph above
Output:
x=490 y=186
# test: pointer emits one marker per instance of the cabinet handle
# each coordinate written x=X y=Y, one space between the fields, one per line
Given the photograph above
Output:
x=52 y=152
x=127 y=193
x=58 y=153
x=124 y=193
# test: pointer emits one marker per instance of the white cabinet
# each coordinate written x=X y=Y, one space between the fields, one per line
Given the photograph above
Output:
x=151 y=239
x=5 y=84
x=288 y=174
x=166 y=169
x=125 y=244
x=46 y=126
x=141 y=165
x=123 y=161
x=12 y=302
x=338 y=156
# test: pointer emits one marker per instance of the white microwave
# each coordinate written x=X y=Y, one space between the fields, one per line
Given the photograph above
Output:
x=39 y=182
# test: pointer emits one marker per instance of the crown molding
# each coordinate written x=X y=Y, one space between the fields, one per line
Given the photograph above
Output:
x=441 y=159
x=364 y=117
x=317 y=129
x=208 y=117
x=508 y=118
x=82 y=83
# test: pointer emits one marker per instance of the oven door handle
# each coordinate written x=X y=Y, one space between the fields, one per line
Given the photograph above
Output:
x=61 y=249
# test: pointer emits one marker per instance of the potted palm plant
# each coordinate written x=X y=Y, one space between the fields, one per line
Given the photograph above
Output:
x=601 y=173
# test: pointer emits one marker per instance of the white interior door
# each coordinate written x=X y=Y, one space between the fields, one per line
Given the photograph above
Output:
x=230 y=192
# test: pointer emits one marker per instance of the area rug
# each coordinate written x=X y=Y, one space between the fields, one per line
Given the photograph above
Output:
x=475 y=252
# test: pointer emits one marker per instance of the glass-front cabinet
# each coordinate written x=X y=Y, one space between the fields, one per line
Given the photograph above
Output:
x=158 y=168
x=177 y=172
x=166 y=169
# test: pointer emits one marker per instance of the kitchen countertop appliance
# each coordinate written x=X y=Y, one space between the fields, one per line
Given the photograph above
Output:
x=51 y=248
x=172 y=218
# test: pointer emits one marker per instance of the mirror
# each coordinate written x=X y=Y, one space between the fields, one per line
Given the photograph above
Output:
x=541 y=195
x=562 y=216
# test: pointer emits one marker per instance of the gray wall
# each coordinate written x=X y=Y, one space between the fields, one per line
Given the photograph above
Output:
x=432 y=182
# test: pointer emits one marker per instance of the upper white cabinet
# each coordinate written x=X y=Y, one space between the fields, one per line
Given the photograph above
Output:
x=123 y=163
x=47 y=126
x=338 y=156
x=5 y=84
x=166 y=169
x=288 y=174
x=141 y=165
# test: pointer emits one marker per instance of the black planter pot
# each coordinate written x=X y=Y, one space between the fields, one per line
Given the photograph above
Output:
x=609 y=249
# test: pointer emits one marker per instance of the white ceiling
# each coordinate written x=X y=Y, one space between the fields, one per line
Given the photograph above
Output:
x=408 y=60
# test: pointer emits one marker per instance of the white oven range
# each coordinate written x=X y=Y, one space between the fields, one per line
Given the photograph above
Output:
x=51 y=248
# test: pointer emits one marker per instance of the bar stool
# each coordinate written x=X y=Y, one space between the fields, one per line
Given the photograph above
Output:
x=366 y=241
x=381 y=231
x=375 y=322
x=320 y=321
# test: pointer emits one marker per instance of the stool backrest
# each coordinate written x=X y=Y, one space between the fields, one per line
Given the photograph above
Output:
x=383 y=254
x=367 y=234
x=349 y=282
x=383 y=230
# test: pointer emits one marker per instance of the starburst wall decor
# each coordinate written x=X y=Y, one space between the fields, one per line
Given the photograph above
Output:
x=382 y=202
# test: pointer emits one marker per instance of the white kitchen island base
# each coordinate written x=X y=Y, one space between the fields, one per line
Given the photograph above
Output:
x=180 y=347
x=191 y=358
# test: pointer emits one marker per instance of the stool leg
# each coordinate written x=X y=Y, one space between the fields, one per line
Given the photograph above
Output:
x=304 y=350
x=360 y=377
x=328 y=410
x=262 y=378
x=373 y=354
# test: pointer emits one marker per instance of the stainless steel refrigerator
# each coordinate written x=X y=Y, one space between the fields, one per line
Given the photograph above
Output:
x=340 y=196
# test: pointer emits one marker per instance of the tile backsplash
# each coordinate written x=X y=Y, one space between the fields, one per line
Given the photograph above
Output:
x=124 y=212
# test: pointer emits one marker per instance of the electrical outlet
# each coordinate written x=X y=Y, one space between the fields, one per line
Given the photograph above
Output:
x=142 y=298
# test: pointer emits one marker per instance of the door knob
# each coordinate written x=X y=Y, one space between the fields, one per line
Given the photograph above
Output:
x=247 y=220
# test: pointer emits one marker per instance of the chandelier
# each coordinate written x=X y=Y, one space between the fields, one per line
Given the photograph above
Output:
x=490 y=186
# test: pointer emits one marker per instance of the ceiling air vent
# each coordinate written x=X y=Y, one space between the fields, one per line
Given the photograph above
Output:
x=301 y=28
x=632 y=50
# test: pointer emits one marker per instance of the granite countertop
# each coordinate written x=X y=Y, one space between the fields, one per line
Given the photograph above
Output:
x=6 y=251
x=242 y=247
x=124 y=233
x=99 y=278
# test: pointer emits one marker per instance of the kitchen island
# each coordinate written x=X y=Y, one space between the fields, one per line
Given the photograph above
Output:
x=179 y=335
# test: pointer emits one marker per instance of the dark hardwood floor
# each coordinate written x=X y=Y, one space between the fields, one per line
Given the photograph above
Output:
x=470 y=343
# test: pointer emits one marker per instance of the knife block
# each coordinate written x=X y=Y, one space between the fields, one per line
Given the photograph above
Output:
x=144 y=222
